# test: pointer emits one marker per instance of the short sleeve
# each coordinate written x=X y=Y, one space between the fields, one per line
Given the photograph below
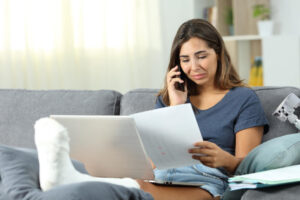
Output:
x=159 y=103
x=251 y=114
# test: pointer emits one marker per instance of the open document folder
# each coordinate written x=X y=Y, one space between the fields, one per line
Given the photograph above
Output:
x=267 y=178
x=120 y=146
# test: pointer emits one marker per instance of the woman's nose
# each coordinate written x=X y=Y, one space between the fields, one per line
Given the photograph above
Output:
x=195 y=64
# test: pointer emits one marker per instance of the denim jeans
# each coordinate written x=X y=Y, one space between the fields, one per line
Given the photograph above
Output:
x=214 y=180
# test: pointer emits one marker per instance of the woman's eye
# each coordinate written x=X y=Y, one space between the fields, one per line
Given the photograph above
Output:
x=202 y=57
x=185 y=61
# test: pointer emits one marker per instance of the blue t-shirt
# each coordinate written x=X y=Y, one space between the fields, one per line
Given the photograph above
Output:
x=239 y=109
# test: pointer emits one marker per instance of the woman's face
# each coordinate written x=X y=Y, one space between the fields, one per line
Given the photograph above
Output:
x=198 y=61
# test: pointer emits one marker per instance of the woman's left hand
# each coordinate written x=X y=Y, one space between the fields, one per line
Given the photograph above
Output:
x=212 y=154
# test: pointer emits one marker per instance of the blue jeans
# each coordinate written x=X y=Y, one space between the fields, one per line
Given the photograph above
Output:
x=214 y=180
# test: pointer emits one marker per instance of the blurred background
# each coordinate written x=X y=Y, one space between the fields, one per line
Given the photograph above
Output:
x=125 y=44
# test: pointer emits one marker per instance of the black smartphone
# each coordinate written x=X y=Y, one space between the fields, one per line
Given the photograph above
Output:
x=180 y=86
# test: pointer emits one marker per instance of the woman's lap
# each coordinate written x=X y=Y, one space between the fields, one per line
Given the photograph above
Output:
x=213 y=180
x=172 y=192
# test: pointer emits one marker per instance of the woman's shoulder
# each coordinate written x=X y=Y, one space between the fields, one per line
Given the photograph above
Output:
x=244 y=93
x=243 y=90
x=159 y=99
x=159 y=103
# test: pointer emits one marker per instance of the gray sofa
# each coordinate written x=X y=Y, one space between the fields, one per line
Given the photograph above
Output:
x=21 y=108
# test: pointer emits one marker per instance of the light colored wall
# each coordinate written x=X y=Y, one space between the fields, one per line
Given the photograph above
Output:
x=281 y=67
x=286 y=15
x=173 y=13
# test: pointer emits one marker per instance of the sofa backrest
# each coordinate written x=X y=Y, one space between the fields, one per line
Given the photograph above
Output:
x=138 y=100
x=21 y=108
x=144 y=99
x=270 y=98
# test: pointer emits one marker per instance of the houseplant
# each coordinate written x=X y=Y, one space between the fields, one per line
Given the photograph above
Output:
x=229 y=20
x=265 y=24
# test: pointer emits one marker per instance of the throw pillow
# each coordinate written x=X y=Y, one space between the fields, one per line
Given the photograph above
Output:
x=276 y=153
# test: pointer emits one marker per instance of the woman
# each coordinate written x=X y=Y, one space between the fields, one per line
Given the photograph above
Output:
x=229 y=114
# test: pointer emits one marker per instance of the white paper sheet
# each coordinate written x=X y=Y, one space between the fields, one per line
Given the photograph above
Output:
x=280 y=175
x=167 y=134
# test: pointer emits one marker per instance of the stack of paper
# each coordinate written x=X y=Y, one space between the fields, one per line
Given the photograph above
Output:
x=267 y=178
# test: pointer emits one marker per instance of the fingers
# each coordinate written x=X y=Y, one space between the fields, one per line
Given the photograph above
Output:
x=205 y=144
x=207 y=160
x=205 y=152
x=174 y=68
x=202 y=151
x=204 y=159
x=175 y=80
x=209 y=154
x=173 y=76
x=205 y=156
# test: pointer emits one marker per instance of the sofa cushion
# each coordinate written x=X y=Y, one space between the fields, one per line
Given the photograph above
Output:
x=138 y=100
x=270 y=98
x=19 y=172
x=286 y=192
x=21 y=108
x=279 y=152
x=19 y=168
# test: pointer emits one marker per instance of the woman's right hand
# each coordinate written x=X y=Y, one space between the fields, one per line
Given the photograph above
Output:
x=176 y=96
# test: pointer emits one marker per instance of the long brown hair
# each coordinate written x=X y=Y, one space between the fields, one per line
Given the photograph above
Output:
x=226 y=76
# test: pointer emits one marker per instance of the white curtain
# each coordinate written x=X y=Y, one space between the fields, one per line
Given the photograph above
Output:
x=80 y=44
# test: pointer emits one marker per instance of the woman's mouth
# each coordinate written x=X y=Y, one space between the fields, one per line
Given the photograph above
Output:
x=199 y=76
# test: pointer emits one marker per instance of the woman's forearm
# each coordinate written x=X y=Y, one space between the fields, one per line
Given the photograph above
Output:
x=232 y=163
